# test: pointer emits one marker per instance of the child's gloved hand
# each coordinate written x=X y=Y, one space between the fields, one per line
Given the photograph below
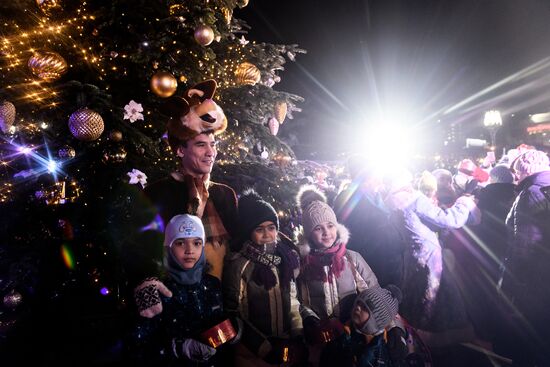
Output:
x=397 y=344
x=147 y=297
x=192 y=350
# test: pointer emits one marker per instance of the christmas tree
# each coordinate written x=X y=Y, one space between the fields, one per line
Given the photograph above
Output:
x=82 y=132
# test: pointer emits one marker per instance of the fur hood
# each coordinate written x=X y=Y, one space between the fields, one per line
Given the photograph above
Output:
x=304 y=246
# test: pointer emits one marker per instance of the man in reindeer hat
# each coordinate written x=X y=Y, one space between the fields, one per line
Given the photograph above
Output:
x=195 y=120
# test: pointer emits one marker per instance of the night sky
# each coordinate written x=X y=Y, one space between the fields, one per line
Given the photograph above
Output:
x=421 y=57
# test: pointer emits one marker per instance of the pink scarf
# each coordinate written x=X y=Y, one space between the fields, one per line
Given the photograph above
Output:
x=332 y=257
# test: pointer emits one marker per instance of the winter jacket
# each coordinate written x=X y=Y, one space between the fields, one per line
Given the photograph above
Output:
x=334 y=299
x=191 y=310
x=529 y=223
x=527 y=263
x=373 y=234
x=419 y=219
x=353 y=349
x=265 y=313
x=161 y=201
x=495 y=201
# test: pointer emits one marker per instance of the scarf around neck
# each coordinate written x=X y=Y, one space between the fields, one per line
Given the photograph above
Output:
x=316 y=260
x=181 y=275
x=267 y=256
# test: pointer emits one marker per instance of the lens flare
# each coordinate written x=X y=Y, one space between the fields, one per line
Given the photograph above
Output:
x=68 y=257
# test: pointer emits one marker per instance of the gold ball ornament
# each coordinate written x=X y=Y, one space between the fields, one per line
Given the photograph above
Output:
x=86 y=124
x=164 y=84
x=204 y=35
x=280 y=111
x=47 y=65
x=50 y=7
x=7 y=116
x=115 y=135
x=247 y=74
x=242 y=3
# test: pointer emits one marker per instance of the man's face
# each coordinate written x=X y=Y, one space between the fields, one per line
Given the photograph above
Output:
x=198 y=157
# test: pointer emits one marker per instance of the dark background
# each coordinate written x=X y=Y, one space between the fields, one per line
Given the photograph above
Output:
x=421 y=57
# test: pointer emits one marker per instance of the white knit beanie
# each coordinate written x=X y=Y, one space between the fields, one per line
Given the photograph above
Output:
x=183 y=226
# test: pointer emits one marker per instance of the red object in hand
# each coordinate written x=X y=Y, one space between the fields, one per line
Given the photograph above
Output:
x=329 y=329
x=219 y=334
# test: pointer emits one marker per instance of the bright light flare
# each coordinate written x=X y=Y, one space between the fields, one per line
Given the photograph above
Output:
x=52 y=166
x=389 y=146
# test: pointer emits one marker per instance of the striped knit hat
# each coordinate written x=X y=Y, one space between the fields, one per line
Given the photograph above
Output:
x=382 y=304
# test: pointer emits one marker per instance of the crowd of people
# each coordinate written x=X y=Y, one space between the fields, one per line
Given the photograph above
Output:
x=393 y=269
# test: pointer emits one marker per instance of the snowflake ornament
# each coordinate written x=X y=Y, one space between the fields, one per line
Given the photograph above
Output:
x=136 y=176
x=133 y=111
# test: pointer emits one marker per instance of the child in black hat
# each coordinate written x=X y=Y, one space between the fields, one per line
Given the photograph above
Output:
x=259 y=286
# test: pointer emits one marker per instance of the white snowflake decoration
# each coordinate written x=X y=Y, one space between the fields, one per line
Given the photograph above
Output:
x=136 y=176
x=133 y=111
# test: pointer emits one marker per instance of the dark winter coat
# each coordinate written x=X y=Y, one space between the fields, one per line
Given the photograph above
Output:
x=191 y=310
x=162 y=200
x=528 y=261
x=495 y=201
x=265 y=313
x=353 y=349
x=373 y=235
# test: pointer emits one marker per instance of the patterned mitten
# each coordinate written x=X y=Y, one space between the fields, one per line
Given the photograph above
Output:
x=147 y=297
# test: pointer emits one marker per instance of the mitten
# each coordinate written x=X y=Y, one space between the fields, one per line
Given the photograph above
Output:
x=192 y=350
x=147 y=297
x=397 y=344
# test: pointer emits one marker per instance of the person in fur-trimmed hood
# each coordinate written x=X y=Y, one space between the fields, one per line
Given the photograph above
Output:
x=331 y=275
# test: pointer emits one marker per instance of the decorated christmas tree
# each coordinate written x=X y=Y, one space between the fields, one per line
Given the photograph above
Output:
x=81 y=86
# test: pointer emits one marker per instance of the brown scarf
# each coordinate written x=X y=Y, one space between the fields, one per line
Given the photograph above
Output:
x=197 y=188
x=199 y=205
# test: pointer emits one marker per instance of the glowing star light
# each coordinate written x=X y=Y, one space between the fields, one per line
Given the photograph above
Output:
x=136 y=176
x=133 y=111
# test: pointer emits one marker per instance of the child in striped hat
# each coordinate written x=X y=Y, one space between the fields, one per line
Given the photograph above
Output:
x=365 y=341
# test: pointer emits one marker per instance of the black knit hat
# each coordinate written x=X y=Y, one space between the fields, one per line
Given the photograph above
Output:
x=383 y=304
x=253 y=210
